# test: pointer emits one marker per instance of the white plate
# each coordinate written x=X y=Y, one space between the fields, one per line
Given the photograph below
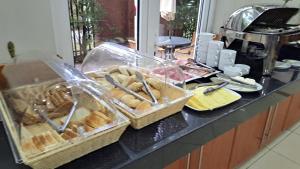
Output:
x=294 y=63
x=240 y=88
x=244 y=89
x=282 y=65
x=230 y=91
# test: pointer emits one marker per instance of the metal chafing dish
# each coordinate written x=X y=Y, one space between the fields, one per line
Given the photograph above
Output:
x=263 y=25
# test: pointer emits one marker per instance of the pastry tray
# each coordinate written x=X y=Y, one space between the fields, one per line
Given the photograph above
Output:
x=172 y=100
x=64 y=150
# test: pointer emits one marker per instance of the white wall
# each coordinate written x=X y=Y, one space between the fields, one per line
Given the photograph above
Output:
x=29 y=24
x=224 y=8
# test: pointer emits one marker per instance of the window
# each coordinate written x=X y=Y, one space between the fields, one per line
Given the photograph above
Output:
x=180 y=24
x=95 y=21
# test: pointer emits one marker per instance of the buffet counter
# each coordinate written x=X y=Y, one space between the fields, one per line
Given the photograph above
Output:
x=162 y=142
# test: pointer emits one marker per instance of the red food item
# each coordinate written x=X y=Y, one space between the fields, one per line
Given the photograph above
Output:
x=172 y=73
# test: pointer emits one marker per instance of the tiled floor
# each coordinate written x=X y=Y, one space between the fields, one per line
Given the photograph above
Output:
x=282 y=153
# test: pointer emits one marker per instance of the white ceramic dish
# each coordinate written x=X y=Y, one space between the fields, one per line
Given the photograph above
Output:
x=282 y=65
x=240 y=88
x=244 y=89
x=293 y=63
x=233 y=71
x=245 y=68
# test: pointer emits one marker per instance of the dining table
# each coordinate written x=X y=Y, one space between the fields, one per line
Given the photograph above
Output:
x=170 y=43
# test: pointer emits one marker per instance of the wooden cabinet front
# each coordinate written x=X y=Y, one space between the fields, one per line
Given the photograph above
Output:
x=293 y=114
x=248 y=138
x=181 y=163
x=278 y=119
x=216 y=153
x=195 y=157
x=239 y=144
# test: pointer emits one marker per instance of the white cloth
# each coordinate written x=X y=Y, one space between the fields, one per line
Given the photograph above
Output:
x=168 y=9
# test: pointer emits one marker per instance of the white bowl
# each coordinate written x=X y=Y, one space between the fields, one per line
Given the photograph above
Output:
x=245 y=68
x=233 y=71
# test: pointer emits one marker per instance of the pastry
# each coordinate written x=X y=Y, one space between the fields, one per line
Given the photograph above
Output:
x=50 y=139
x=53 y=100
x=87 y=128
x=74 y=127
x=103 y=116
x=29 y=148
x=112 y=69
x=62 y=110
x=130 y=101
x=94 y=121
x=129 y=80
x=96 y=75
x=143 y=106
x=70 y=133
x=30 y=117
x=155 y=92
x=155 y=83
x=50 y=105
x=117 y=93
x=123 y=71
x=127 y=97
x=144 y=95
x=121 y=78
x=37 y=142
x=131 y=71
x=65 y=136
x=135 y=86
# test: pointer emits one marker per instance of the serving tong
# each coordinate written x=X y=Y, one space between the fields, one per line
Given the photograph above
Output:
x=141 y=78
x=213 y=89
x=210 y=69
x=42 y=111
x=231 y=80
x=117 y=84
x=196 y=85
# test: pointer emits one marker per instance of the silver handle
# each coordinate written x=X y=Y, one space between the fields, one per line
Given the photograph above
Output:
x=140 y=77
x=213 y=89
x=113 y=82
x=150 y=92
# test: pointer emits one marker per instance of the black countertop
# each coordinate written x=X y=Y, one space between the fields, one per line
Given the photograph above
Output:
x=164 y=141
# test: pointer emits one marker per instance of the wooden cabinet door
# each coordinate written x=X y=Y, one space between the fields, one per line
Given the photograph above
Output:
x=179 y=164
x=293 y=114
x=194 y=161
x=248 y=138
x=216 y=153
x=279 y=115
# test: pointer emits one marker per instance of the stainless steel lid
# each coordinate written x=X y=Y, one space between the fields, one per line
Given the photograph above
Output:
x=268 y=15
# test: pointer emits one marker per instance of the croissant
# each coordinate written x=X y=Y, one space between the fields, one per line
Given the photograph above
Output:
x=117 y=93
x=129 y=80
x=123 y=71
x=135 y=86
x=143 y=106
x=144 y=95
x=155 y=83
x=130 y=101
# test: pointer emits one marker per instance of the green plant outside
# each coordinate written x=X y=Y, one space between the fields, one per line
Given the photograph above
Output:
x=186 y=17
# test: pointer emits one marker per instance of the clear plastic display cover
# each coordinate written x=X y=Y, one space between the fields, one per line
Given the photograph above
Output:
x=46 y=105
x=137 y=83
